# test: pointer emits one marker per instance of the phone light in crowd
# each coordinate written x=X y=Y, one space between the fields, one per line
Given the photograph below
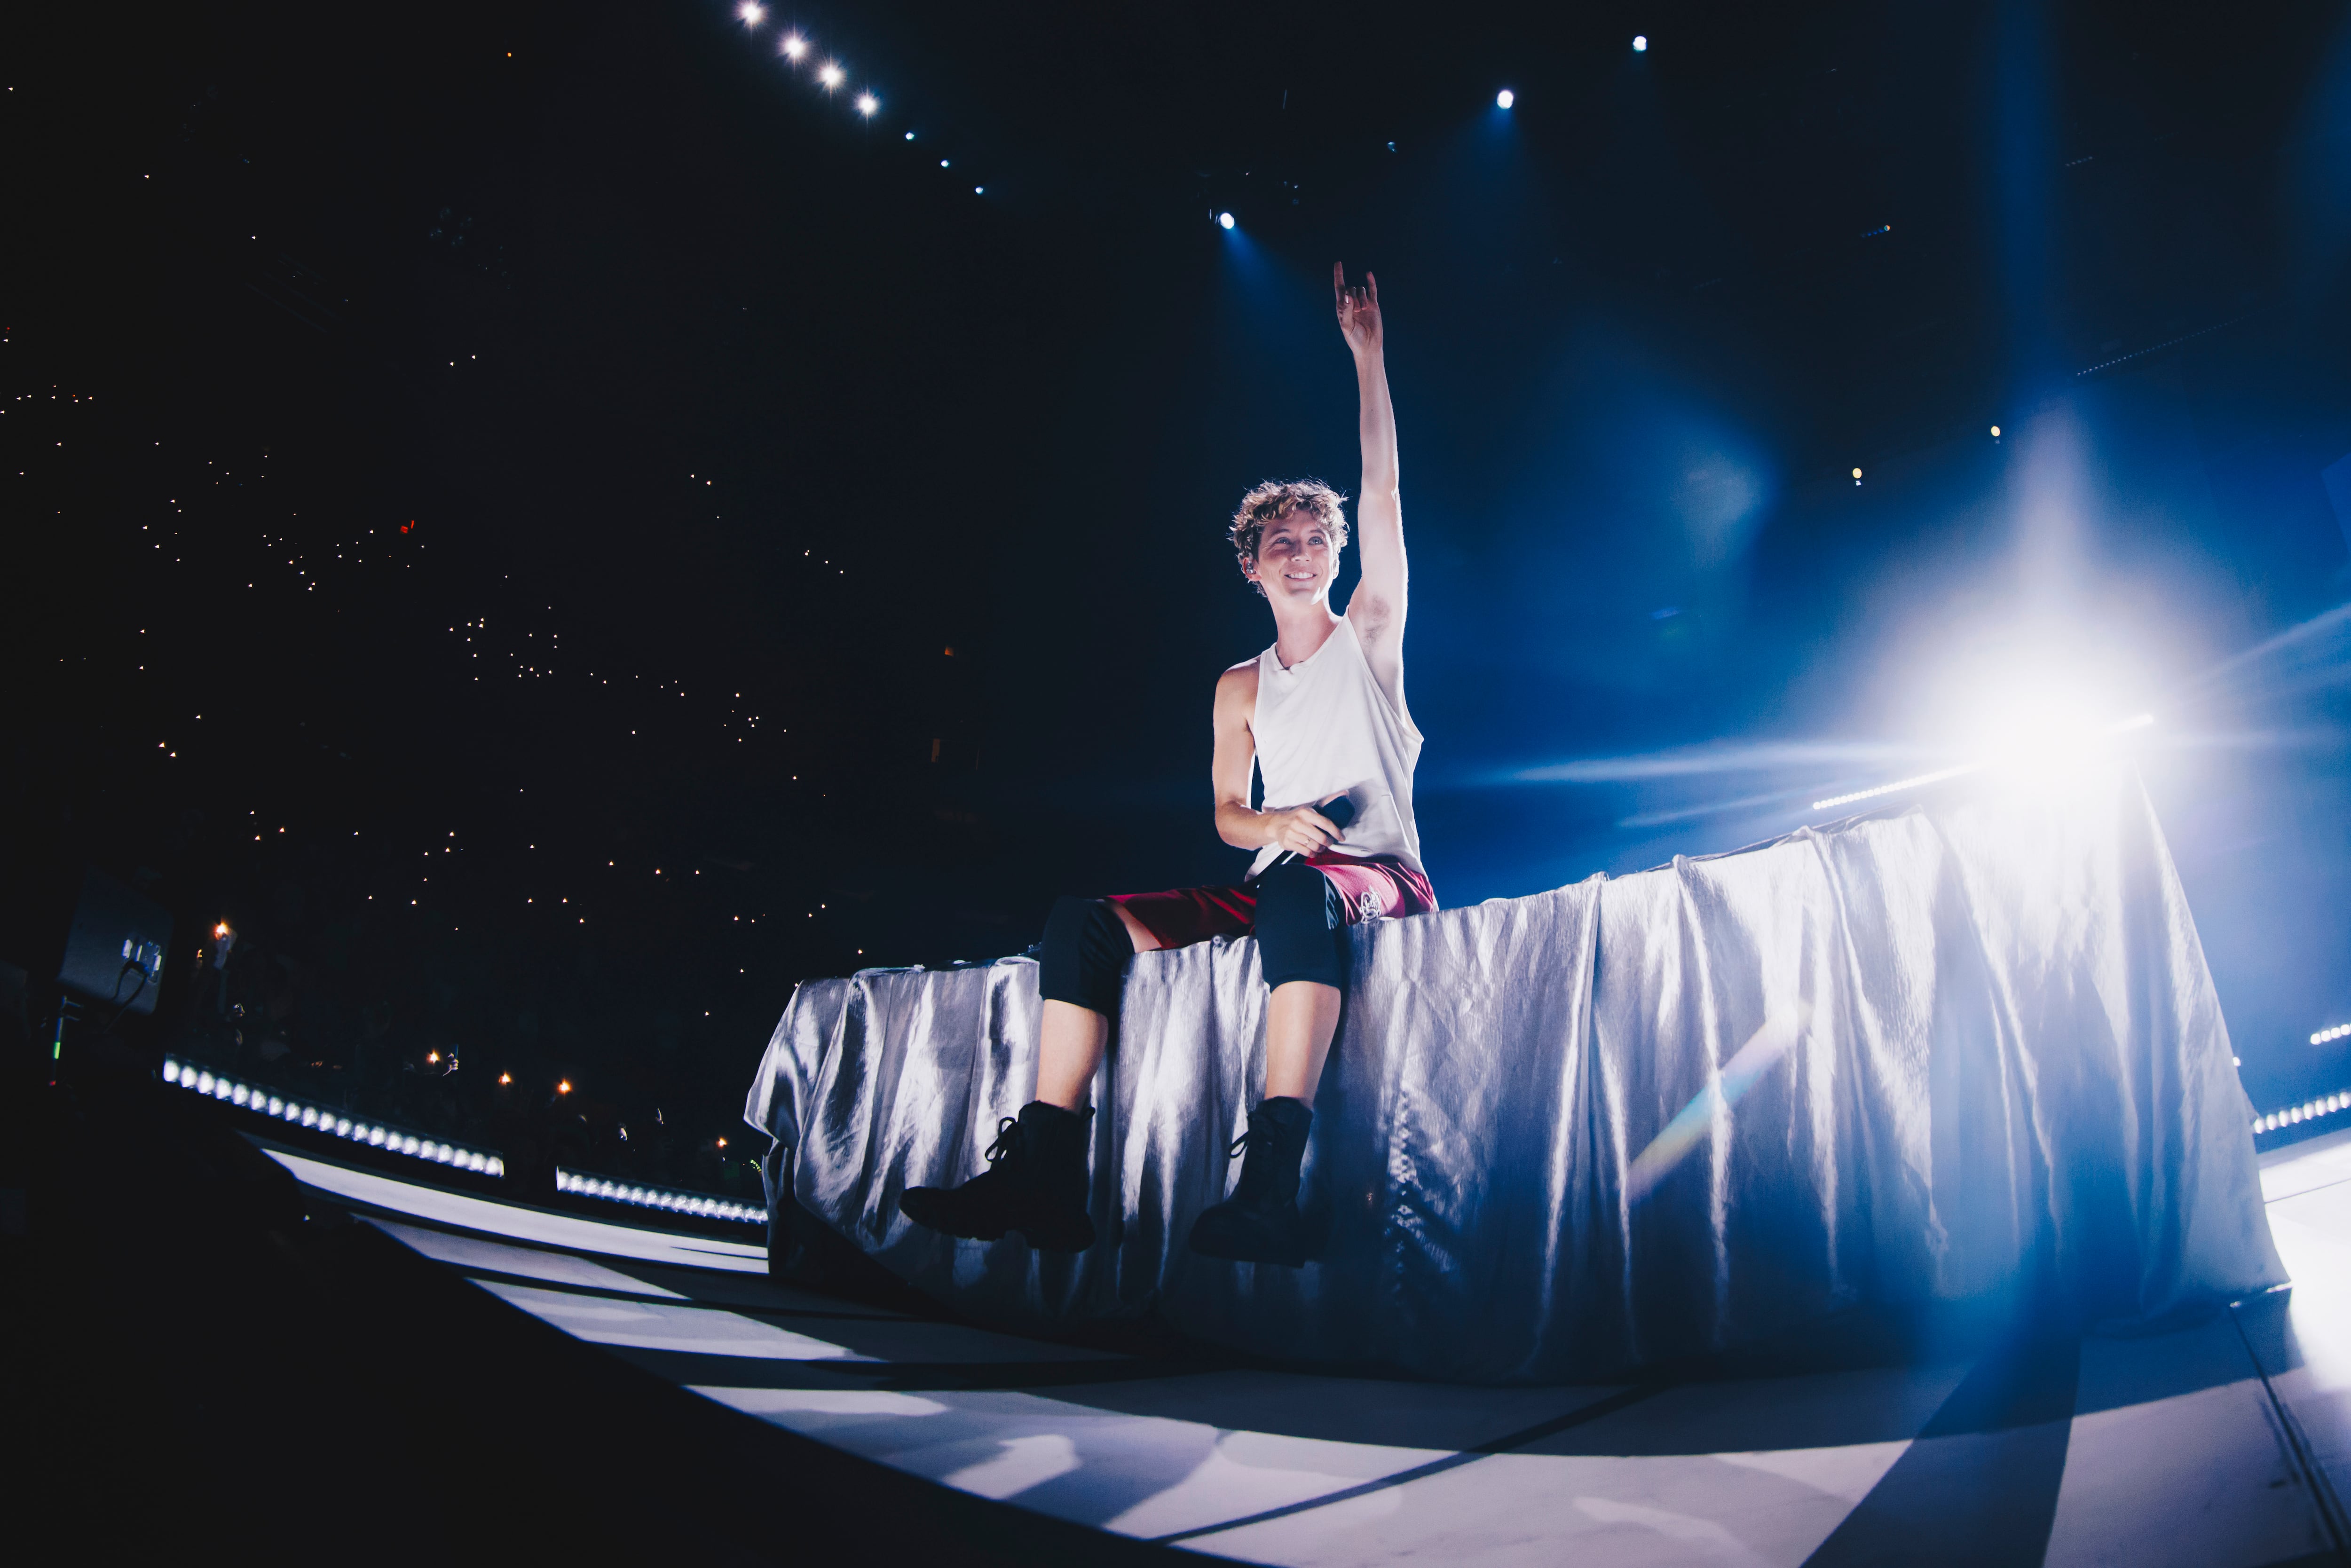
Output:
x=1224 y=220
x=722 y=1143
x=563 y=1086
x=1504 y=99
x=752 y=12
x=793 y=47
x=1640 y=43
x=2337 y=1032
x=2308 y=1111
x=867 y=103
x=506 y=1078
x=831 y=74
x=434 y=1057
x=326 y=1119
x=221 y=929
x=702 y=1205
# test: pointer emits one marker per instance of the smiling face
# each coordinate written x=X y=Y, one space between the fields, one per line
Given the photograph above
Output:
x=1296 y=557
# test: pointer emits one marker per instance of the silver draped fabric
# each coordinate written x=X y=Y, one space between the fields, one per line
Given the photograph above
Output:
x=1930 y=1056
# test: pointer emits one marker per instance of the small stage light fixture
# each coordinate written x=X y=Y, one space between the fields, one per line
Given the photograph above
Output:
x=752 y=12
x=1995 y=433
x=1504 y=99
x=831 y=74
x=910 y=136
x=793 y=46
x=1640 y=43
x=1224 y=220
x=867 y=103
x=2324 y=1035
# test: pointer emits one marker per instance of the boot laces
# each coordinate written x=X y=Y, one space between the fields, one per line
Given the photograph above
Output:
x=1006 y=1142
x=1261 y=1132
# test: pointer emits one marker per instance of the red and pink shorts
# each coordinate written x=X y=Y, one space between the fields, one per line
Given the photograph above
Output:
x=1381 y=887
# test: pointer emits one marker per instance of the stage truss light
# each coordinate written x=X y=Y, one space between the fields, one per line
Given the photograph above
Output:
x=672 y=1200
x=1640 y=44
x=2308 y=1111
x=1504 y=99
x=910 y=136
x=793 y=47
x=1224 y=220
x=867 y=103
x=831 y=75
x=2324 y=1035
x=189 y=1076
x=752 y=12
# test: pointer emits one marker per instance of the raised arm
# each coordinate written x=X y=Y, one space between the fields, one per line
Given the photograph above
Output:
x=1377 y=609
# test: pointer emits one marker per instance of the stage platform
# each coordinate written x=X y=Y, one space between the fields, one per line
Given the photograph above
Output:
x=2224 y=1443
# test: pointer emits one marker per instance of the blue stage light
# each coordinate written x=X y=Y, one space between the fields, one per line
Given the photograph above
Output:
x=910 y=136
x=1224 y=220
x=1640 y=43
x=1504 y=99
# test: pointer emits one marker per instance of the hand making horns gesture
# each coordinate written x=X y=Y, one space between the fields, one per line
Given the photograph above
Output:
x=1359 y=310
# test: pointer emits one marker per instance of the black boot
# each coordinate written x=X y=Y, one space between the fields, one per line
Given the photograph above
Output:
x=1260 y=1223
x=1035 y=1184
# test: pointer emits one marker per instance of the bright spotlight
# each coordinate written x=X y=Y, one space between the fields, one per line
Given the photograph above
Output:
x=1504 y=99
x=1995 y=433
x=1640 y=43
x=831 y=74
x=752 y=12
x=793 y=46
x=943 y=162
x=1224 y=220
x=910 y=136
x=979 y=190
x=867 y=103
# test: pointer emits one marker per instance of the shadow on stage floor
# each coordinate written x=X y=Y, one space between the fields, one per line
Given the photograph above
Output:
x=354 y=1365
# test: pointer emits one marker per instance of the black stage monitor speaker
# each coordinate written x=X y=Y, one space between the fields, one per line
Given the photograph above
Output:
x=114 y=955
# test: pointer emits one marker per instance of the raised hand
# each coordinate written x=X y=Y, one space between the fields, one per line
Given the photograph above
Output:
x=1359 y=311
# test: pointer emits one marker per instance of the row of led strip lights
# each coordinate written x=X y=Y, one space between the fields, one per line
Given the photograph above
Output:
x=375 y=1135
x=695 y=1203
x=2309 y=1110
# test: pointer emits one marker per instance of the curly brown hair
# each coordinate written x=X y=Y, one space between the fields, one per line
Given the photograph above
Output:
x=1261 y=506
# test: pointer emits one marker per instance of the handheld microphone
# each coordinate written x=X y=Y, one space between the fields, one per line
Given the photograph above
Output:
x=1341 y=812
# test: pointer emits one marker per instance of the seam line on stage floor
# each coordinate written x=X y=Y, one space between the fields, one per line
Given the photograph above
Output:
x=1581 y=1416
x=2312 y=1474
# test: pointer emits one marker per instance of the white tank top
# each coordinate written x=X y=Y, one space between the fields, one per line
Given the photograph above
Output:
x=1326 y=727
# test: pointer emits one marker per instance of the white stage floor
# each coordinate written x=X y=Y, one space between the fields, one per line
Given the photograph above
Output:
x=2226 y=1445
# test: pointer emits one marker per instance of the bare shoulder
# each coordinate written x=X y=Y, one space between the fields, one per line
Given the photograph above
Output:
x=1238 y=685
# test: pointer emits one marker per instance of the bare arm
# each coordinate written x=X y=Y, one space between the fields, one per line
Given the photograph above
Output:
x=1377 y=609
x=1302 y=827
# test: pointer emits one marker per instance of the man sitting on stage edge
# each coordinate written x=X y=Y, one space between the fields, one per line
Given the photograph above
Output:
x=1321 y=714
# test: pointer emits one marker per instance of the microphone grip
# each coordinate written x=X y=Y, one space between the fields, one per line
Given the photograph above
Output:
x=1341 y=812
